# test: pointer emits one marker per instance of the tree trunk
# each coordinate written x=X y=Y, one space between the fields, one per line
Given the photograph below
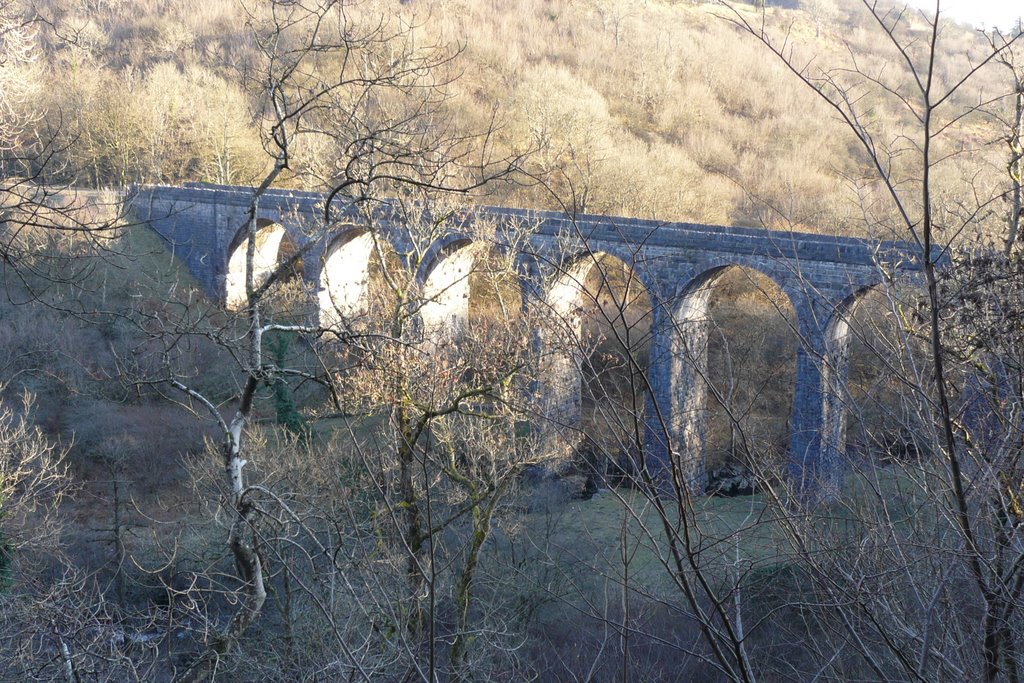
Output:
x=481 y=529
x=413 y=520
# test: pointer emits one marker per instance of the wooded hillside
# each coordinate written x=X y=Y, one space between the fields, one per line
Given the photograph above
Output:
x=657 y=109
x=389 y=438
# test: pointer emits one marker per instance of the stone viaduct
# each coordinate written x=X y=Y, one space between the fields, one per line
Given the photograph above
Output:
x=677 y=263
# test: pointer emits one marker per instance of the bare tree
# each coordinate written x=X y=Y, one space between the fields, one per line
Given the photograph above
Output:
x=1011 y=59
x=883 y=563
x=894 y=639
x=355 y=85
x=34 y=210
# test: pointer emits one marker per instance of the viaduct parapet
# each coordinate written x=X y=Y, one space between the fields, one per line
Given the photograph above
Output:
x=678 y=264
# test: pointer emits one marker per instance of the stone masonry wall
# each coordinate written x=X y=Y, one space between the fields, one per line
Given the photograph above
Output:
x=819 y=274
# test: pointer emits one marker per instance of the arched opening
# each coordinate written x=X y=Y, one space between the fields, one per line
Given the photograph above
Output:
x=873 y=365
x=473 y=337
x=357 y=282
x=733 y=380
x=595 y=362
x=273 y=247
x=472 y=288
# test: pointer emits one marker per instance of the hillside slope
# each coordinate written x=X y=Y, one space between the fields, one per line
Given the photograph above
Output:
x=659 y=109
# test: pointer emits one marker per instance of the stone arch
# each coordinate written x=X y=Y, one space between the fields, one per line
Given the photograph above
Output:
x=357 y=265
x=438 y=251
x=834 y=373
x=273 y=247
x=595 y=358
x=469 y=285
x=837 y=393
x=689 y=358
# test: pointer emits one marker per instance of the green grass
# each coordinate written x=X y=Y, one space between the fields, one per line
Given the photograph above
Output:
x=586 y=539
x=740 y=539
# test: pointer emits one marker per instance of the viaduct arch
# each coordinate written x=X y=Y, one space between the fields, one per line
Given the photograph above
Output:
x=675 y=265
